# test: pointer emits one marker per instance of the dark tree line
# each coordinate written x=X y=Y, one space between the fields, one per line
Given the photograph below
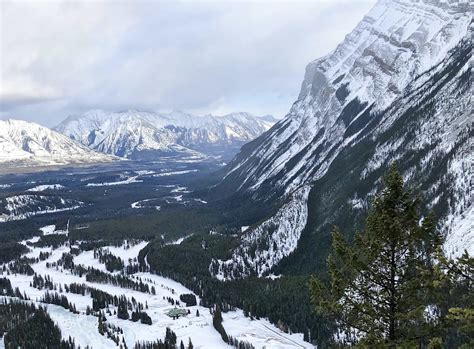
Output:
x=26 y=326
x=57 y=299
x=95 y=275
x=189 y=299
x=137 y=315
x=240 y=344
x=112 y=262
x=52 y=240
x=170 y=342
x=42 y=283
x=217 y=323
x=110 y=331
x=6 y=287
x=7 y=290
x=142 y=316
x=66 y=261
x=20 y=266
x=122 y=308
x=10 y=250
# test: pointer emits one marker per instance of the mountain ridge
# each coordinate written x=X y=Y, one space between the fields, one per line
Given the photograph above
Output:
x=27 y=144
x=396 y=90
x=132 y=133
x=352 y=80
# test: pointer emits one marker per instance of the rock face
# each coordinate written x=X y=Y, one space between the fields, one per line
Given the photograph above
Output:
x=397 y=89
x=26 y=144
x=139 y=134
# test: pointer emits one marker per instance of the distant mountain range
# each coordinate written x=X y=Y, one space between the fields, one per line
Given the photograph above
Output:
x=137 y=134
x=396 y=90
x=99 y=136
x=26 y=144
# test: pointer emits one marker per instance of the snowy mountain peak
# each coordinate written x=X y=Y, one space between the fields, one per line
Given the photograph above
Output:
x=135 y=133
x=28 y=144
x=375 y=65
x=396 y=90
x=396 y=41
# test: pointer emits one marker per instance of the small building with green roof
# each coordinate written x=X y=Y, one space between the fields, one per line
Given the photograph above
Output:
x=175 y=313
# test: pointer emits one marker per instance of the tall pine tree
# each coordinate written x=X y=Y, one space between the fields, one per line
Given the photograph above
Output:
x=380 y=287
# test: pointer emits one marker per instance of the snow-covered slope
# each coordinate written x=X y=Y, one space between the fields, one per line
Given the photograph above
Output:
x=26 y=205
x=398 y=88
x=265 y=245
x=27 y=144
x=82 y=326
x=135 y=133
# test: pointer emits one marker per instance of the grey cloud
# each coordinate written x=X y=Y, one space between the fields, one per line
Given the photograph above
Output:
x=205 y=57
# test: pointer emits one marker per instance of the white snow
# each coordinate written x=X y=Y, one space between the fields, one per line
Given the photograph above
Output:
x=27 y=144
x=51 y=229
x=139 y=204
x=128 y=250
x=261 y=333
x=178 y=241
x=83 y=328
x=129 y=131
x=48 y=229
x=144 y=172
x=129 y=180
x=200 y=200
x=396 y=41
x=44 y=187
x=174 y=173
x=180 y=189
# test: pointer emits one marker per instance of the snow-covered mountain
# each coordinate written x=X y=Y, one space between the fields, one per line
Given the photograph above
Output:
x=397 y=89
x=137 y=134
x=27 y=144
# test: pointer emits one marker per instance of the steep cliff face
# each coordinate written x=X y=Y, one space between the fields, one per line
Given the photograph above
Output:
x=374 y=66
x=397 y=89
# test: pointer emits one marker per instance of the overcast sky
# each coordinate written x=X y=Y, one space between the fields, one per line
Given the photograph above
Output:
x=64 y=57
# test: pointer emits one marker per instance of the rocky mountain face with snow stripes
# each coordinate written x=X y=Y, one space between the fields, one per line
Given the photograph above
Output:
x=397 y=89
x=140 y=134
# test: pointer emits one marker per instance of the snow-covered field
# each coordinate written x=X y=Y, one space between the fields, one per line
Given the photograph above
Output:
x=44 y=187
x=140 y=204
x=179 y=241
x=129 y=180
x=174 y=173
x=176 y=195
x=51 y=229
x=83 y=328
